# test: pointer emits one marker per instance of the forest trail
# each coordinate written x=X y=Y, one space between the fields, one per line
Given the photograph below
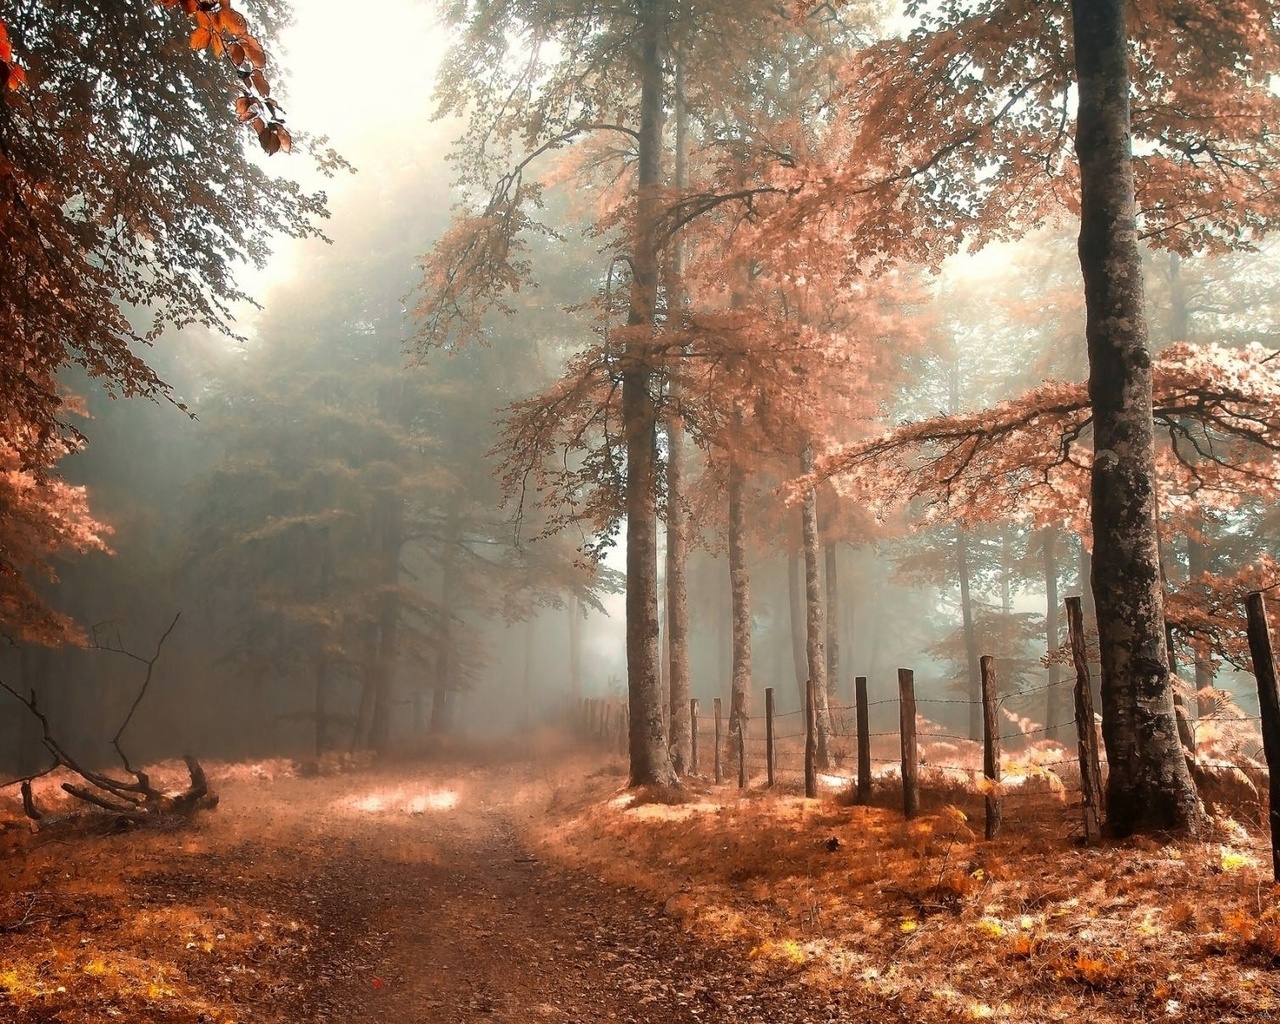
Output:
x=436 y=912
x=400 y=895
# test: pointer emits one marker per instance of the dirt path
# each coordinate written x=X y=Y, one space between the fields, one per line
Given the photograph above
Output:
x=375 y=897
x=439 y=914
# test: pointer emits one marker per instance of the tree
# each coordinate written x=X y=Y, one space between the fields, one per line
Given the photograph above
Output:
x=124 y=209
x=997 y=79
x=1148 y=785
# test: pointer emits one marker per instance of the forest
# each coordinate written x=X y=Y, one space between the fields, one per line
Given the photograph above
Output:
x=639 y=510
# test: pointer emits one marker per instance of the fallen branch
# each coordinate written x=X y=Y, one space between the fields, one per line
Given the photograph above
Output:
x=134 y=800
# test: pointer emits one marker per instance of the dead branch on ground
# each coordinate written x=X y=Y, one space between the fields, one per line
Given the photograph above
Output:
x=135 y=800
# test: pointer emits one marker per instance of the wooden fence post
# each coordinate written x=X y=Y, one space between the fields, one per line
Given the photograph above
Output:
x=1264 y=670
x=991 y=745
x=810 y=740
x=910 y=758
x=693 y=735
x=768 y=733
x=715 y=704
x=1090 y=764
x=864 y=739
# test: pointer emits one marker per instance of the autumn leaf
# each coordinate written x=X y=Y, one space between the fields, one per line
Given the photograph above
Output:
x=201 y=38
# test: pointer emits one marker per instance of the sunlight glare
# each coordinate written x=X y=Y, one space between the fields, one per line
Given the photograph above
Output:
x=399 y=801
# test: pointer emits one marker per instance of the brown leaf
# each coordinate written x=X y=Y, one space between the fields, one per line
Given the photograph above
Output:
x=257 y=56
x=201 y=38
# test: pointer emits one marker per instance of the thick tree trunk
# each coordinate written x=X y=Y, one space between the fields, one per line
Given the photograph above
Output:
x=650 y=763
x=970 y=639
x=795 y=600
x=679 y=689
x=832 y=579
x=1148 y=785
x=740 y=595
x=815 y=625
x=1056 y=713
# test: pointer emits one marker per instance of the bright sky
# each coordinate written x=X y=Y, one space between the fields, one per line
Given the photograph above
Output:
x=363 y=77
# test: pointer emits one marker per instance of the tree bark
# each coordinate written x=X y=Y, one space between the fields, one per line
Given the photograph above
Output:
x=1148 y=785
x=391 y=515
x=740 y=595
x=677 y=527
x=795 y=597
x=832 y=579
x=970 y=639
x=1055 y=707
x=650 y=763
x=815 y=625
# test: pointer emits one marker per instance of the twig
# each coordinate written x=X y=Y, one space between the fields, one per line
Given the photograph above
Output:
x=142 y=692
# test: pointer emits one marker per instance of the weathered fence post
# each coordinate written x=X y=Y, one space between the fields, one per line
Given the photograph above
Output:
x=1090 y=764
x=864 y=739
x=810 y=740
x=715 y=704
x=1264 y=670
x=768 y=733
x=910 y=759
x=991 y=745
x=693 y=735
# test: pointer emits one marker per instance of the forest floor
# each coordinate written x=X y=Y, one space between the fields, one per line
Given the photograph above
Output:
x=537 y=889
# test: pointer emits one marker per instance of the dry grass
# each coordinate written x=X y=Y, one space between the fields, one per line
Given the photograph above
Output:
x=1030 y=927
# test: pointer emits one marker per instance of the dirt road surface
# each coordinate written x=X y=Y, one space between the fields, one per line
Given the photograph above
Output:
x=411 y=894
x=428 y=907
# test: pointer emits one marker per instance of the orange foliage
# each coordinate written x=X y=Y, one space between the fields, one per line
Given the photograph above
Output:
x=220 y=28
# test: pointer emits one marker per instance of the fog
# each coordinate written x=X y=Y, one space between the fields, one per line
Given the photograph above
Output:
x=357 y=556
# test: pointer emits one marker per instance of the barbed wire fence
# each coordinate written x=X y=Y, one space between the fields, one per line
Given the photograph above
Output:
x=1013 y=761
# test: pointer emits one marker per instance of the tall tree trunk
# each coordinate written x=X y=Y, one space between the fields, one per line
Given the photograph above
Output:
x=970 y=638
x=391 y=515
x=831 y=576
x=1055 y=713
x=650 y=763
x=740 y=596
x=795 y=600
x=442 y=704
x=1148 y=785
x=575 y=649
x=677 y=599
x=815 y=626
x=321 y=652
x=679 y=685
